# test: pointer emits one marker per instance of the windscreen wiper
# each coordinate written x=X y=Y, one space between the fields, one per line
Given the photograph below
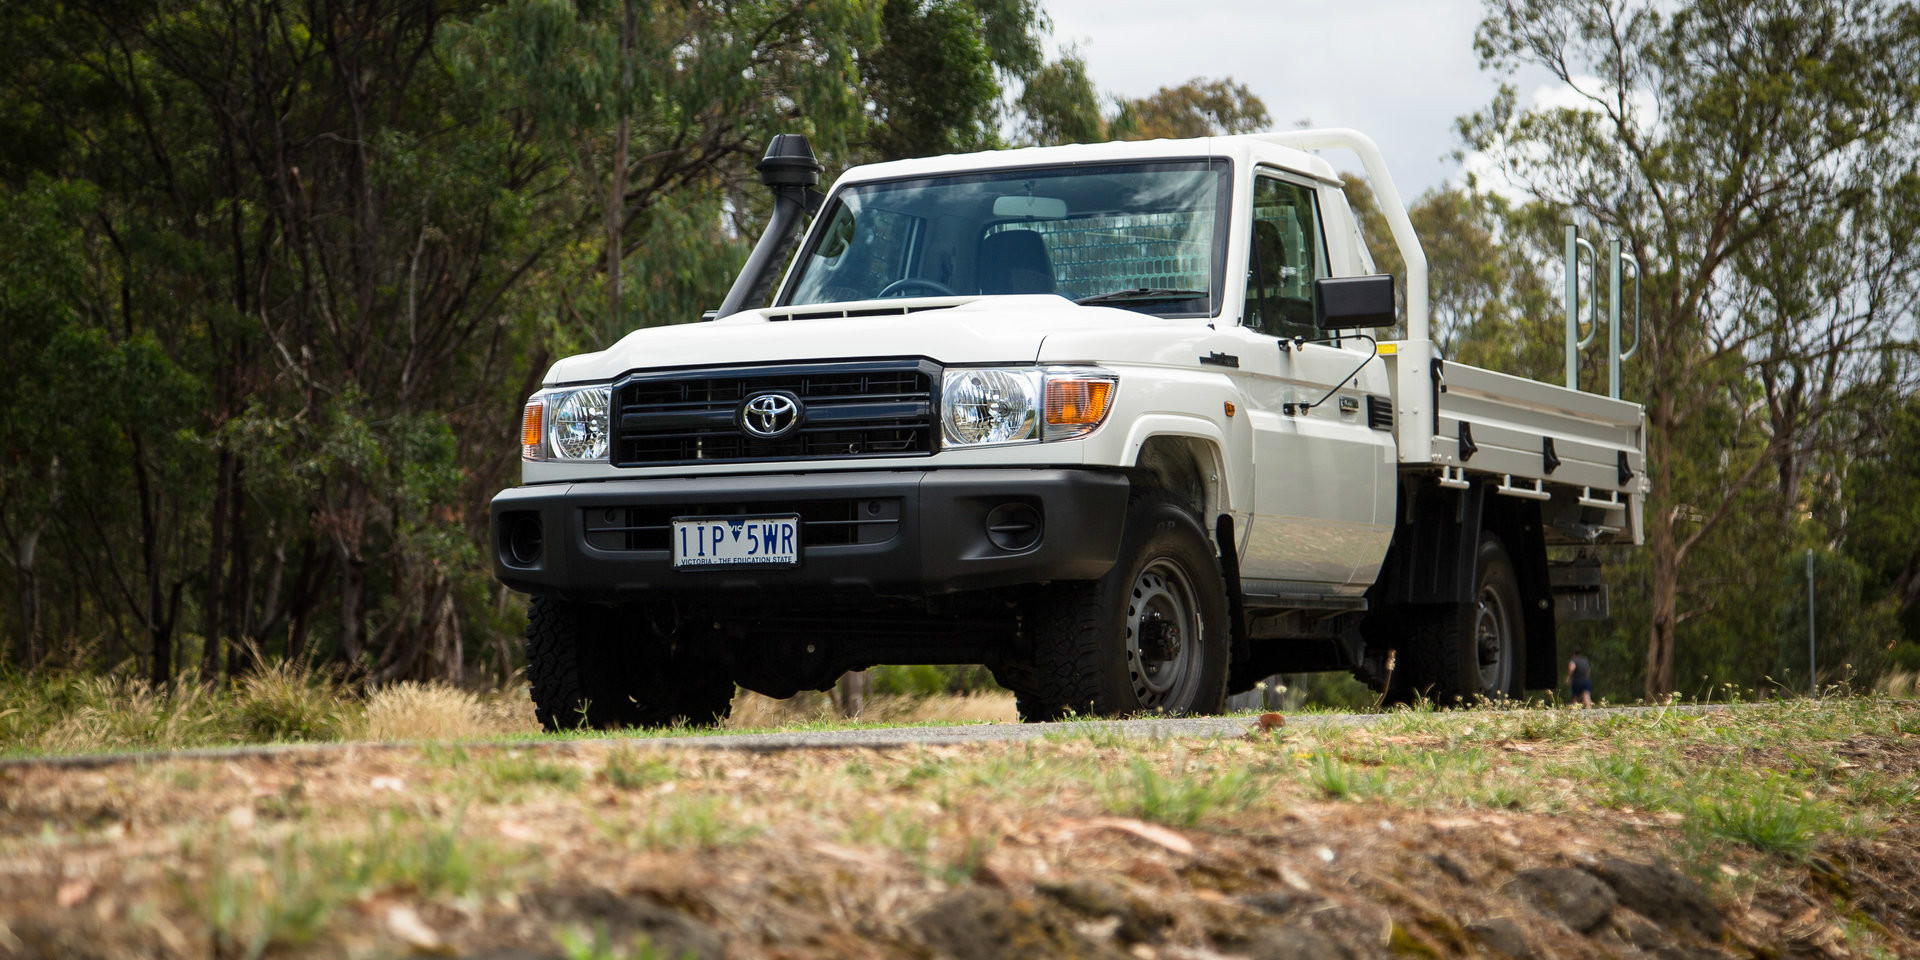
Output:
x=1140 y=295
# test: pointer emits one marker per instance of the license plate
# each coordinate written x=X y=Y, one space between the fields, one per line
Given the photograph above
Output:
x=736 y=541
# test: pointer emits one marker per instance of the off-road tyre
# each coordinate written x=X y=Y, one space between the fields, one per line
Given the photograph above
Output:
x=603 y=669
x=1443 y=659
x=1081 y=664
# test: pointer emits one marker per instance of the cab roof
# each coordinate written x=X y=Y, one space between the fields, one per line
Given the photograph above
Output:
x=1244 y=150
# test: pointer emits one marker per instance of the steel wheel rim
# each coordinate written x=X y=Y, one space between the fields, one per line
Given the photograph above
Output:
x=1493 y=642
x=1163 y=599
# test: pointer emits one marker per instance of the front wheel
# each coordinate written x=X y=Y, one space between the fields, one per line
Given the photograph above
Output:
x=1151 y=636
x=601 y=668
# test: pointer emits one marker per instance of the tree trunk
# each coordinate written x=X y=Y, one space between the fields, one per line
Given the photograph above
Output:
x=1663 y=608
x=350 y=527
x=1662 y=543
x=240 y=583
x=353 y=593
x=850 y=694
x=159 y=624
x=28 y=656
x=214 y=624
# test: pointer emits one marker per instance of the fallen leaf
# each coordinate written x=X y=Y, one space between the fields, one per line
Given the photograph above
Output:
x=394 y=784
x=1146 y=831
x=515 y=830
x=858 y=858
x=406 y=925
x=1266 y=724
x=73 y=892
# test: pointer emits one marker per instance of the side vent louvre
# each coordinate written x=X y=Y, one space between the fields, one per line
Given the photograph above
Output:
x=1379 y=412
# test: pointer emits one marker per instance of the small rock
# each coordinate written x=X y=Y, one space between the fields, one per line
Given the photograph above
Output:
x=1352 y=923
x=1452 y=868
x=1291 y=943
x=1662 y=894
x=1575 y=897
x=1501 y=935
x=1136 y=919
x=1094 y=898
x=671 y=932
x=988 y=924
x=1275 y=903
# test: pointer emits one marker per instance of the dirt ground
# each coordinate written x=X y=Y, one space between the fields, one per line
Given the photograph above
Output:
x=1505 y=840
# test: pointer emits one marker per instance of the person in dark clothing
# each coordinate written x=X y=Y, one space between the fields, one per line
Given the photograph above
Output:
x=1580 y=678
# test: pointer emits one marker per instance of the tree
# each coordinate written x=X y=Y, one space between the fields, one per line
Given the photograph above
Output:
x=932 y=79
x=1059 y=105
x=1732 y=144
x=300 y=245
x=1197 y=108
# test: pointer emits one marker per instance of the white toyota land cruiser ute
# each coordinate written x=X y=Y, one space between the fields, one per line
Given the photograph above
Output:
x=1099 y=417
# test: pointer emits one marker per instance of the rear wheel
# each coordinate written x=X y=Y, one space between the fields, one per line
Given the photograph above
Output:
x=1462 y=653
x=1149 y=637
x=603 y=668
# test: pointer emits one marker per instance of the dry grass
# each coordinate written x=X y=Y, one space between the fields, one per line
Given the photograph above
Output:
x=1798 y=817
x=76 y=714
x=752 y=711
x=436 y=711
x=1899 y=683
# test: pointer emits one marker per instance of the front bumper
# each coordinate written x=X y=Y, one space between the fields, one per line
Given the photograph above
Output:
x=892 y=533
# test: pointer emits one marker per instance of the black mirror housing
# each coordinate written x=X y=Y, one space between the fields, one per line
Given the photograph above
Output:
x=1343 y=303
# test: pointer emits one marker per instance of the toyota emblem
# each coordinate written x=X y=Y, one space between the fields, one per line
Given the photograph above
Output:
x=770 y=416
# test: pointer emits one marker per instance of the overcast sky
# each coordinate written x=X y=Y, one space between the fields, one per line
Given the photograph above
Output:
x=1398 y=70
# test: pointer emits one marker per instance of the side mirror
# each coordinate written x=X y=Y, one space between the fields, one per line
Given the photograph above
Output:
x=1343 y=303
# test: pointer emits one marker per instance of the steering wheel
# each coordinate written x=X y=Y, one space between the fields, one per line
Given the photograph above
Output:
x=895 y=288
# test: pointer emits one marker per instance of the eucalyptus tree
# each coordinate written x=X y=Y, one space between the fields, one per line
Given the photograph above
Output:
x=1738 y=146
x=316 y=250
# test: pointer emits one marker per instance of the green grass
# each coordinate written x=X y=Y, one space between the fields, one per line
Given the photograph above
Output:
x=576 y=944
x=684 y=822
x=1772 y=816
x=259 y=896
x=630 y=771
x=1342 y=781
x=1182 y=798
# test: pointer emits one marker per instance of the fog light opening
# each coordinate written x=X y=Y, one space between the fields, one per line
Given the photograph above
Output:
x=524 y=540
x=1014 y=527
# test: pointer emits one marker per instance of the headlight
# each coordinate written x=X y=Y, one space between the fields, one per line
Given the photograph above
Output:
x=980 y=406
x=576 y=424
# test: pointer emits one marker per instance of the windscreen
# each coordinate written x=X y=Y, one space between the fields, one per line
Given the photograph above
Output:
x=1143 y=236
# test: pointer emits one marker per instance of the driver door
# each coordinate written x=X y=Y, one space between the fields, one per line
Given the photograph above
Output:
x=1317 y=473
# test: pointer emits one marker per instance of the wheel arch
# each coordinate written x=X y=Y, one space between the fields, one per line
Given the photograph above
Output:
x=1188 y=468
x=1434 y=557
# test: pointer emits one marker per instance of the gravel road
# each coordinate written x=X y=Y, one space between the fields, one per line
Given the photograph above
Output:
x=859 y=737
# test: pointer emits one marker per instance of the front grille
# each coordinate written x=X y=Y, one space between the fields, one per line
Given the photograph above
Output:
x=822 y=522
x=863 y=409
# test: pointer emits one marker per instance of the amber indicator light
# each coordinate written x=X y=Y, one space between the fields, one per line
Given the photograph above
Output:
x=530 y=428
x=1078 y=401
